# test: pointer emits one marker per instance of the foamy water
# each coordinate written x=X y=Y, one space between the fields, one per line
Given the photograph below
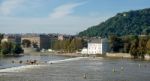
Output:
x=65 y=60
x=25 y=67
x=20 y=68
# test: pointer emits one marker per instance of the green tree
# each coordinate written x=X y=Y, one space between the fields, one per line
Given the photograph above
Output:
x=6 y=48
x=9 y=48
x=148 y=46
x=146 y=30
x=68 y=45
x=34 y=44
x=1 y=37
x=26 y=43
x=142 y=46
x=17 y=49
x=134 y=48
x=56 y=45
x=79 y=44
x=125 y=23
x=72 y=46
x=126 y=44
x=116 y=43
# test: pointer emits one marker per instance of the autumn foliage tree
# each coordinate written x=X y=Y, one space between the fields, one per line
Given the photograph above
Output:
x=68 y=45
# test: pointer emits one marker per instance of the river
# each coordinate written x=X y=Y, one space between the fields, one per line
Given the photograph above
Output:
x=85 y=69
x=7 y=62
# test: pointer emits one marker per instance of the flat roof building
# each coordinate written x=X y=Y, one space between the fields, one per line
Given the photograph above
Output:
x=98 y=46
x=42 y=41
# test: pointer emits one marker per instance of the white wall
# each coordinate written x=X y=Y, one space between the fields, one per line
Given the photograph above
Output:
x=94 y=48
x=98 y=48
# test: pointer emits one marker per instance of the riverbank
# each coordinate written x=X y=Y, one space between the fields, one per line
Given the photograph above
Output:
x=109 y=55
x=124 y=55
x=118 y=55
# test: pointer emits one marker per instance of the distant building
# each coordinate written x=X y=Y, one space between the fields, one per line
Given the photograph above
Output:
x=38 y=41
x=63 y=37
x=60 y=37
x=12 y=38
x=98 y=46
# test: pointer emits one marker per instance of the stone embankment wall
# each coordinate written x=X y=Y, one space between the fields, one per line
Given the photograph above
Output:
x=124 y=55
x=118 y=55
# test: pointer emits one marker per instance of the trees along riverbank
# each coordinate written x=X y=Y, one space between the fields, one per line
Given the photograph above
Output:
x=69 y=45
x=137 y=46
x=9 y=48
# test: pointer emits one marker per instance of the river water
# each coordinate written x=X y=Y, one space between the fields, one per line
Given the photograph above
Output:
x=7 y=62
x=85 y=69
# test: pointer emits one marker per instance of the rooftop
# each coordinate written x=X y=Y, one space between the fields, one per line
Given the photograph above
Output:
x=95 y=40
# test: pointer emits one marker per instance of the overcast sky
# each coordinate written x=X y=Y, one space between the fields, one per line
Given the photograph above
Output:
x=60 y=16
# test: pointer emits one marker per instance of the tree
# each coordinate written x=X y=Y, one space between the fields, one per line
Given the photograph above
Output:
x=34 y=44
x=116 y=44
x=134 y=48
x=56 y=45
x=26 y=43
x=142 y=46
x=138 y=47
x=126 y=23
x=6 y=48
x=146 y=30
x=79 y=43
x=68 y=45
x=72 y=46
x=9 y=48
x=126 y=43
x=17 y=49
x=1 y=37
x=148 y=46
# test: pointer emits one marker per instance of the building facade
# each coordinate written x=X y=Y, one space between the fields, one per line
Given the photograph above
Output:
x=12 y=38
x=41 y=41
x=98 y=46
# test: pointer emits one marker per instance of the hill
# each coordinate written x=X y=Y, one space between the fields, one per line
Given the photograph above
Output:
x=135 y=22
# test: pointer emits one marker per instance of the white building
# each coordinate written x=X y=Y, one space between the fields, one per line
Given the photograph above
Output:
x=98 y=46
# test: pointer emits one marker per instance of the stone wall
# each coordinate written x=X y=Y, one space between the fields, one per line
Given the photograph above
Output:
x=118 y=55
x=124 y=55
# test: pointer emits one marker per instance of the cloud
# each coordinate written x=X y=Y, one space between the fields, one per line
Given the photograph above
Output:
x=64 y=10
x=7 y=6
